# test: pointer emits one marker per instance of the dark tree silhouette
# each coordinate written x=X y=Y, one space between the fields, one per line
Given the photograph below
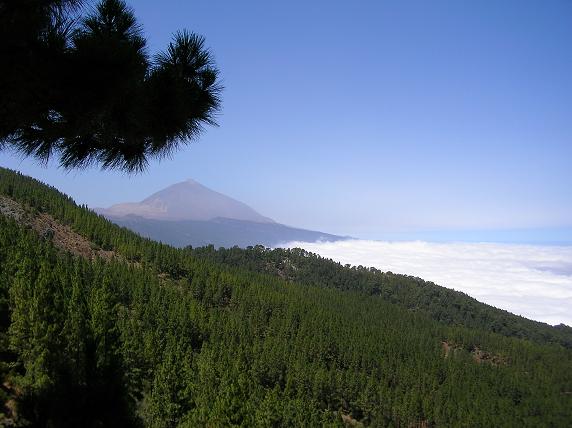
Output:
x=81 y=85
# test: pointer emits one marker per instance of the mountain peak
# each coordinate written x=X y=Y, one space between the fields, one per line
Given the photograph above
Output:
x=187 y=200
x=190 y=181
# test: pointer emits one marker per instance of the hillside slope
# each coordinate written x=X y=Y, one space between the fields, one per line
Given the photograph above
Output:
x=446 y=305
x=413 y=293
x=158 y=336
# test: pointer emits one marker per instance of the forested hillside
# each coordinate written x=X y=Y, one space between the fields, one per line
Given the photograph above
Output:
x=99 y=327
x=440 y=303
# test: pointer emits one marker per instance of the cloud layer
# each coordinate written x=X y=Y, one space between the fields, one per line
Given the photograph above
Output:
x=528 y=280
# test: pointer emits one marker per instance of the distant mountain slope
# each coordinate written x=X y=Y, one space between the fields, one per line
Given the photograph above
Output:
x=220 y=232
x=188 y=200
x=189 y=213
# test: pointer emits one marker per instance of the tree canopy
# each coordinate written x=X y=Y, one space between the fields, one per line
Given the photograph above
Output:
x=79 y=84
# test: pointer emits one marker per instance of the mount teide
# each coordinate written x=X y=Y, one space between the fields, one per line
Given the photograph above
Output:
x=189 y=213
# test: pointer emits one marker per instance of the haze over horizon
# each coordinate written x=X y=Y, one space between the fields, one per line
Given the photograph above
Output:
x=399 y=120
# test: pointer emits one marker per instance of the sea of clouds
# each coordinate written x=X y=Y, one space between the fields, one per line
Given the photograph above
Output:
x=529 y=280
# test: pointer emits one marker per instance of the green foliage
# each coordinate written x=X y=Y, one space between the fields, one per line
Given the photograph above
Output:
x=163 y=337
x=416 y=295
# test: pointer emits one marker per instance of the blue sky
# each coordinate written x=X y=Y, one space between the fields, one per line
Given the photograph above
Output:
x=374 y=118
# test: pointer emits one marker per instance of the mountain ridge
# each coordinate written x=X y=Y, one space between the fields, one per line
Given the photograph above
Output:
x=186 y=200
x=189 y=213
